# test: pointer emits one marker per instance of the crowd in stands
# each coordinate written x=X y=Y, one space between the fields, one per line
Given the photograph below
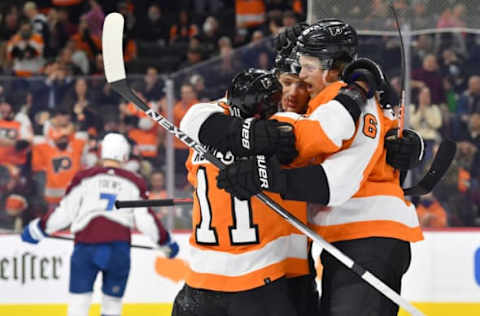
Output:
x=55 y=103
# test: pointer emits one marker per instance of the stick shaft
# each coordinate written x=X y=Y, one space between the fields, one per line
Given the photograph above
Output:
x=152 y=203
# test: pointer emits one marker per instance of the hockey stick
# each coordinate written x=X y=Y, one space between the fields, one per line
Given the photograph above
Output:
x=443 y=159
x=115 y=74
x=152 y=203
x=401 y=111
x=447 y=150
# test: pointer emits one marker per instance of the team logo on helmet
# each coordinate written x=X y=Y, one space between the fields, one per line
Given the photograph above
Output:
x=335 y=30
x=266 y=83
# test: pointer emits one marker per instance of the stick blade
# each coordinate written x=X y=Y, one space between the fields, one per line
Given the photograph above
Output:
x=112 y=47
x=443 y=159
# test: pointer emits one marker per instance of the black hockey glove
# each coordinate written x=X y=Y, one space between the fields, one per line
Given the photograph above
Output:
x=263 y=137
x=365 y=70
x=404 y=153
x=247 y=177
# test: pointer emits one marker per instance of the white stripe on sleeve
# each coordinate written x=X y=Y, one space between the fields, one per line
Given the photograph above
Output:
x=345 y=169
x=335 y=121
x=192 y=120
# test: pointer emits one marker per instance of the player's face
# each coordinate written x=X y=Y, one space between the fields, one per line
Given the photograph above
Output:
x=5 y=110
x=294 y=93
x=312 y=74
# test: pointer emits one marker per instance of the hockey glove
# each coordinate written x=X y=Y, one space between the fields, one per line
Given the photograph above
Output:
x=263 y=137
x=169 y=248
x=365 y=70
x=33 y=233
x=247 y=177
x=404 y=153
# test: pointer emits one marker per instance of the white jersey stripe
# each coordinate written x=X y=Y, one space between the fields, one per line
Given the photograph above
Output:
x=335 y=121
x=232 y=265
x=196 y=116
x=372 y=208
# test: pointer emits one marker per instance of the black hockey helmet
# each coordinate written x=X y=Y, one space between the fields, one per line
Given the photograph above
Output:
x=285 y=43
x=254 y=93
x=331 y=40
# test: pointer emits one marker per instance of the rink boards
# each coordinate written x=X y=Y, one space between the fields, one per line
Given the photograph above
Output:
x=444 y=278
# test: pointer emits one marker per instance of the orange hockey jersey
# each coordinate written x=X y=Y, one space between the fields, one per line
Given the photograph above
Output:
x=59 y=165
x=236 y=245
x=366 y=199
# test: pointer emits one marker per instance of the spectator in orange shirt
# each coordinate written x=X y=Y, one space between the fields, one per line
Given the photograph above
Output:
x=89 y=43
x=15 y=132
x=58 y=155
x=188 y=98
x=431 y=213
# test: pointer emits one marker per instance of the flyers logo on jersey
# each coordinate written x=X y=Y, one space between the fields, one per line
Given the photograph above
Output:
x=61 y=163
x=8 y=133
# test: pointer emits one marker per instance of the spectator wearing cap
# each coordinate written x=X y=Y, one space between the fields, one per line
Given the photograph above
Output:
x=25 y=50
x=15 y=132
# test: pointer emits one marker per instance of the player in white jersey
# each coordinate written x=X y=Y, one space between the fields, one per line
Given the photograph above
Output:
x=102 y=232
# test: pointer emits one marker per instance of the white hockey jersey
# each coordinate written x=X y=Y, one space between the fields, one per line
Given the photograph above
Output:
x=88 y=207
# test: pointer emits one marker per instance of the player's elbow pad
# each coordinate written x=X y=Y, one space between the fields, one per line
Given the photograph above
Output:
x=308 y=184
x=215 y=131
x=353 y=98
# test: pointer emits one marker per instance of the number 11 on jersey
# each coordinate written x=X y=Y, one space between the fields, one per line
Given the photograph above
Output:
x=242 y=231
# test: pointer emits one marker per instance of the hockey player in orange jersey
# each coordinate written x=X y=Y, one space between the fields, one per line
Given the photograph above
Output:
x=240 y=251
x=363 y=205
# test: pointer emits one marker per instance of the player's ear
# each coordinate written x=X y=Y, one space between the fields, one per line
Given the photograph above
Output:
x=332 y=75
